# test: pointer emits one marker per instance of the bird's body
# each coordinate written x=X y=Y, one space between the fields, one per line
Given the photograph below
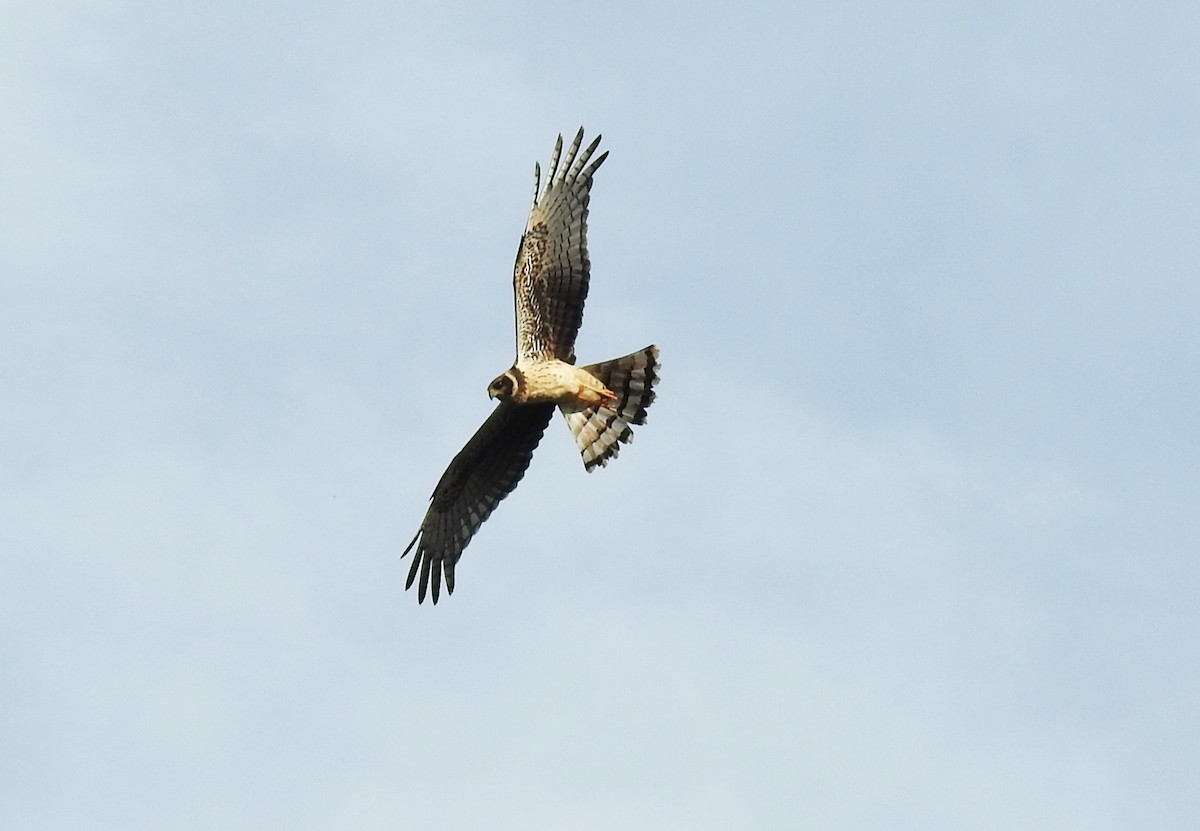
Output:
x=601 y=402
x=551 y=381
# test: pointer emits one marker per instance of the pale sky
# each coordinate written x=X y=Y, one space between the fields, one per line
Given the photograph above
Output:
x=910 y=540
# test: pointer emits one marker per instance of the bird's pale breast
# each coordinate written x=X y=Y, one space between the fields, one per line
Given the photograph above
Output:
x=557 y=381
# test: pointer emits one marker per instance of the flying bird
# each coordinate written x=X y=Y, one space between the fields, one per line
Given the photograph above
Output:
x=601 y=402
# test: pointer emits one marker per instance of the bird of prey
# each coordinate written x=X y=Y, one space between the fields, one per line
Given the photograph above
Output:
x=601 y=402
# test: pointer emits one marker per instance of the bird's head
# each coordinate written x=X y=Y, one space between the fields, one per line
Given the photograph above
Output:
x=502 y=387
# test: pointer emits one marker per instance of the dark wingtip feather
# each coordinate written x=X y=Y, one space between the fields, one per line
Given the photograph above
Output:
x=411 y=544
x=416 y=563
x=423 y=586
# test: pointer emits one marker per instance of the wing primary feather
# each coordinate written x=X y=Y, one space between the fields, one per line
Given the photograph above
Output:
x=554 y=162
x=569 y=161
x=583 y=158
x=437 y=583
x=416 y=563
x=424 y=584
x=537 y=184
x=410 y=545
x=594 y=166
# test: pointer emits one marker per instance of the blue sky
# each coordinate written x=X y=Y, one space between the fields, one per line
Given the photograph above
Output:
x=910 y=540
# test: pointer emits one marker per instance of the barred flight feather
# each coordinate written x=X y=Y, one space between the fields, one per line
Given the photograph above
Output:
x=600 y=431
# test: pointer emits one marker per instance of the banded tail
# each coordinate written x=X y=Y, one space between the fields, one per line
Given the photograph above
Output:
x=600 y=431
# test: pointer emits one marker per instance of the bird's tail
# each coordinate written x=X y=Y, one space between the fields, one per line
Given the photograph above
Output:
x=600 y=431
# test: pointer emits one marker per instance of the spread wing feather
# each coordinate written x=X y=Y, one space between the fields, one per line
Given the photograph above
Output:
x=550 y=279
x=485 y=471
x=600 y=431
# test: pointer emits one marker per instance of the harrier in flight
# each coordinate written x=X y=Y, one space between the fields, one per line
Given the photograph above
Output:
x=601 y=402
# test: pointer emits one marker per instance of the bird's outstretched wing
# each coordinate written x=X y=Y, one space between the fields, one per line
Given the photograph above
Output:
x=485 y=471
x=550 y=280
